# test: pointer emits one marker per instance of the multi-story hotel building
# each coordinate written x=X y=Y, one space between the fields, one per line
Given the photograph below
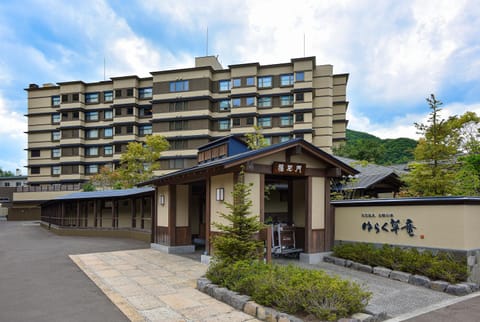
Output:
x=75 y=128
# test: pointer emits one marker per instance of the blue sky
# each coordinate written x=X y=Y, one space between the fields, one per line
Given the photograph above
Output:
x=396 y=52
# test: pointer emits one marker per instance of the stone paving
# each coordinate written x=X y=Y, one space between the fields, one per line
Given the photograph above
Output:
x=148 y=285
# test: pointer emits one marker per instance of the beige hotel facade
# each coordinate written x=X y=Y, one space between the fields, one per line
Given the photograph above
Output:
x=75 y=128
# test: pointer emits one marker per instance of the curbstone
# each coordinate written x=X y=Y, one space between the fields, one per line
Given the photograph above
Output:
x=270 y=315
x=348 y=320
x=471 y=260
x=328 y=259
x=219 y=293
x=440 y=286
x=251 y=308
x=339 y=261
x=202 y=283
x=458 y=289
x=400 y=276
x=362 y=267
x=210 y=288
x=382 y=271
x=362 y=317
x=419 y=280
x=473 y=286
x=348 y=263
x=237 y=301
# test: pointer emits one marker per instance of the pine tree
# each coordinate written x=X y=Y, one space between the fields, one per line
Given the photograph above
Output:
x=236 y=242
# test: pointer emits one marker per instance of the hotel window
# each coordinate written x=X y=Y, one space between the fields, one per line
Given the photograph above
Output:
x=129 y=129
x=224 y=124
x=178 y=106
x=299 y=117
x=92 y=134
x=268 y=140
x=145 y=111
x=75 y=97
x=250 y=120
x=91 y=97
x=237 y=82
x=91 y=116
x=118 y=93
x=56 y=136
x=108 y=114
x=176 y=164
x=34 y=153
x=129 y=110
x=286 y=100
x=236 y=121
x=56 y=100
x=56 y=170
x=56 y=153
x=91 y=169
x=286 y=80
x=250 y=101
x=236 y=102
x=250 y=81
x=299 y=97
x=178 y=144
x=179 y=86
x=284 y=138
x=286 y=120
x=145 y=92
x=118 y=111
x=299 y=76
x=224 y=85
x=108 y=96
x=178 y=125
x=129 y=92
x=56 y=118
x=145 y=130
x=264 y=121
x=265 y=81
x=224 y=105
x=35 y=170
x=265 y=101
x=107 y=150
x=91 y=151
x=107 y=132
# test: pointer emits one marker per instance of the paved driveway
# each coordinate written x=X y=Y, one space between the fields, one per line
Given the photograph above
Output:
x=39 y=282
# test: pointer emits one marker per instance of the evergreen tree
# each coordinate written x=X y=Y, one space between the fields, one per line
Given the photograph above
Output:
x=236 y=242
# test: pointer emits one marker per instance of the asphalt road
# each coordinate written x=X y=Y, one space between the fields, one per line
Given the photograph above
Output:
x=39 y=282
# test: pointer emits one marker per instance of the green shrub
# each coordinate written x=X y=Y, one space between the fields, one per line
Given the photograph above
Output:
x=291 y=289
x=441 y=266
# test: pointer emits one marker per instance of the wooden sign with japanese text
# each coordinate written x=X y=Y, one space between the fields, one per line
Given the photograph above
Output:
x=288 y=168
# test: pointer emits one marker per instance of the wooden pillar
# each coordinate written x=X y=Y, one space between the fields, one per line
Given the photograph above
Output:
x=78 y=213
x=262 y=198
x=172 y=213
x=142 y=214
x=95 y=214
x=114 y=210
x=102 y=204
x=153 y=216
x=208 y=208
x=329 y=219
x=290 y=201
x=134 y=211
x=308 y=215
x=85 y=209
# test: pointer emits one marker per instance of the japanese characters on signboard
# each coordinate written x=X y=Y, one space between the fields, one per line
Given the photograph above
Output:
x=386 y=223
x=288 y=168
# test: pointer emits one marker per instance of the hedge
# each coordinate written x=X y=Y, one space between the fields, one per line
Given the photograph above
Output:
x=291 y=289
x=439 y=266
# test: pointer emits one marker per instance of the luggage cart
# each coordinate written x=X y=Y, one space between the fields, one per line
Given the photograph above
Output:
x=283 y=241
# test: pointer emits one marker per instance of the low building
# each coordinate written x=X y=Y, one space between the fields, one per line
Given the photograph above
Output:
x=190 y=201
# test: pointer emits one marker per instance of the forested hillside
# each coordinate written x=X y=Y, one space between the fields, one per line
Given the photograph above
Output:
x=364 y=146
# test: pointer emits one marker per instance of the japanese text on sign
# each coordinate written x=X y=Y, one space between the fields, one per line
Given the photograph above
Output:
x=393 y=226
x=287 y=168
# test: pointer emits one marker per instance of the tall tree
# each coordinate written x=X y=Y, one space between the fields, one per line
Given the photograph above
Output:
x=141 y=159
x=6 y=173
x=434 y=170
x=256 y=140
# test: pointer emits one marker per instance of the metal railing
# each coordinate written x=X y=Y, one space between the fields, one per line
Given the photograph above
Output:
x=52 y=187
